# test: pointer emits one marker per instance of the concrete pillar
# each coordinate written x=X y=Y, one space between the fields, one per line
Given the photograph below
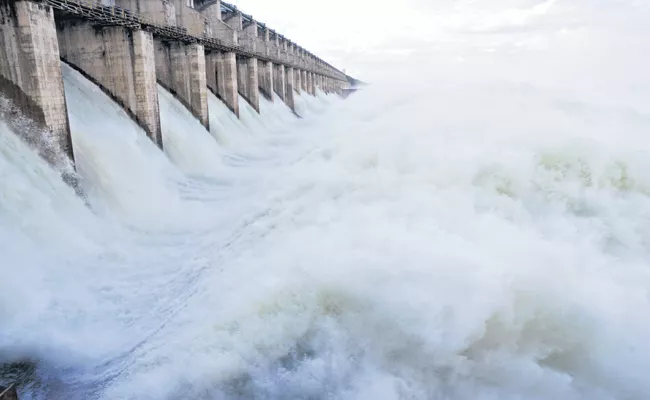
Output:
x=211 y=71
x=297 y=80
x=242 y=82
x=181 y=69
x=289 y=100
x=30 y=72
x=279 y=84
x=247 y=75
x=309 y=82
x=266 y=78
x=312 y=82
x=224 y=83
x=198 y=85
x=304 y=80
x=251 y=89
x=121 y=62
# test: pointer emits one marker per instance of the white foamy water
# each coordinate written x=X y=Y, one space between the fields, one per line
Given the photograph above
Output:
x=483 y=233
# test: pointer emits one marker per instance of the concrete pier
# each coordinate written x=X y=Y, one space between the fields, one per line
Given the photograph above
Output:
x=221 y=68
x=289 y=93
x=30 y=70
x=318 y=81
x=310 y=83
x=304 y=80
x=297 y=82
x=250 y=88
x=265 y=73
x=247 y=75
x=279 y=84
x=181 y=69
x=121 y=62
x=265 y=67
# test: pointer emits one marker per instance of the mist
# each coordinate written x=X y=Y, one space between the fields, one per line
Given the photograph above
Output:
x=471 y=225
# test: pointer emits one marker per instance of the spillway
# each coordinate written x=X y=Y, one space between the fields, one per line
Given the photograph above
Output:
x=479 y=234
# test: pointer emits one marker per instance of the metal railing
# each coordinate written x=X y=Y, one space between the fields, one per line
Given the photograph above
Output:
x=113 y=15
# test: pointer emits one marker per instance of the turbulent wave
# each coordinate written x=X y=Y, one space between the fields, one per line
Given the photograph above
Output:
x=477 y=234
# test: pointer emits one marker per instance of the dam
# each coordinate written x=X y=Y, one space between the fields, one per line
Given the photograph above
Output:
x=128 y=47
x=472 y=224
x=187 y=77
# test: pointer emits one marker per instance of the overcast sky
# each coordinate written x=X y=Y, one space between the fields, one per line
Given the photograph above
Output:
x=365 y=36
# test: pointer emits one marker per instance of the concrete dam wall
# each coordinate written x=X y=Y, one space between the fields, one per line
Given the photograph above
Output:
x=129 y=47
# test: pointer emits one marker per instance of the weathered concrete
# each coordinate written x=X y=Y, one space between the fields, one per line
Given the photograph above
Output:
x=215 y=27
x=312 y=83
x=309 y=81
x=221 y=67
x=247 y=76
x=265 y=71
x=187 y=17
x=248 y=81
x=242 y=82
x=252 y=83
x=212 y=11
x=307 y=84
x=121 y=62
x=222 y=78
x=247 y=37
x=234 y=20
x=297 y=75
x=304 y=80
x=161 y=11
x=30 y=70
x=279 y=83
x=181 y=69
x=289 y=91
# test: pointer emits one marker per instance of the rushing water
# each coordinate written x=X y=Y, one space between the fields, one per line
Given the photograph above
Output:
x=483 y=233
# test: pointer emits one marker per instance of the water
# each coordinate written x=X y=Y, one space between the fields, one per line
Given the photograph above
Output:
x=479 y=234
